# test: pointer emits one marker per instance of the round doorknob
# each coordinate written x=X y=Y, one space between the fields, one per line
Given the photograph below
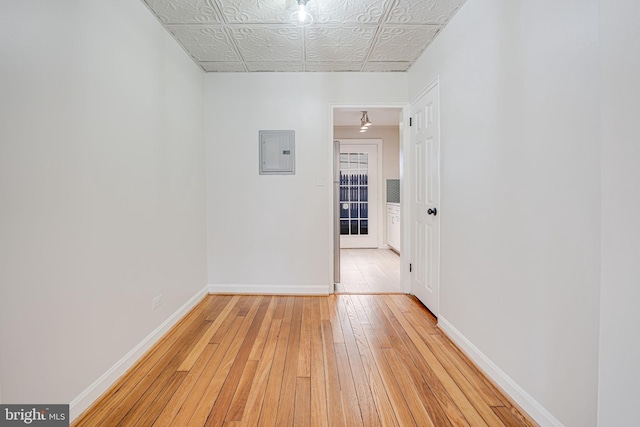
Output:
x=433 y=211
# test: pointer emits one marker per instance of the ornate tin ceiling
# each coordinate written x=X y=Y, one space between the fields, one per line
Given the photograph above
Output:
x=347 y=35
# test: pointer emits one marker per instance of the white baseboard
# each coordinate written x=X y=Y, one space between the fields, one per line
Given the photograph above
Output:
x=269 y=289
x=533 y=408
x=102 y=384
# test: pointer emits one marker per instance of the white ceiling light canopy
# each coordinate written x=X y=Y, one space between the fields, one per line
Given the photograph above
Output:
x=302 y=17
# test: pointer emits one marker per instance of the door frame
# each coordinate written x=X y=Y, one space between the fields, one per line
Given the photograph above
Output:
x=405 y=141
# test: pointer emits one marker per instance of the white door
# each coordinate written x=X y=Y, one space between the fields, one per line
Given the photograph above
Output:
x=425 y=199
x=358 y=195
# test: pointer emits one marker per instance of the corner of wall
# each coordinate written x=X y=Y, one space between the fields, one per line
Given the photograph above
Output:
x=509 y=386
x=100 y=386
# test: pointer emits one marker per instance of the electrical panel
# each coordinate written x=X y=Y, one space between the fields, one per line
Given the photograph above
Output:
x=277 y=152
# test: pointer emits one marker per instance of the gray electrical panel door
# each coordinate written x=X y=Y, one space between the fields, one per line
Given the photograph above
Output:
x=277 y=152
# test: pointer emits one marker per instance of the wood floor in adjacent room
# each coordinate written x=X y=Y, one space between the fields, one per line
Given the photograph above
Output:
x=341 y=360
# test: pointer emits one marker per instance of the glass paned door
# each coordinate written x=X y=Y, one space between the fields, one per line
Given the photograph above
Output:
x=358 y=195
x=354 y=193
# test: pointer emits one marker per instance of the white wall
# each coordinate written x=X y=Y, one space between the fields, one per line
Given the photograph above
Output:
x=390 y=136
x=520 y=248
x=619 y=314
x=273 y=233
x=102 y=189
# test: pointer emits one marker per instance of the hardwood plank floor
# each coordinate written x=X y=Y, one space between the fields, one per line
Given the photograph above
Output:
x=366 y=271
x=341 y=360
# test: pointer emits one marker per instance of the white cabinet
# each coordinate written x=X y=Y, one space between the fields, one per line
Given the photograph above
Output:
x=393 y=226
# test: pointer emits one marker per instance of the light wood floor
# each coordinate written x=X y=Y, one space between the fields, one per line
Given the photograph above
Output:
x=366 y=271
x=342 y=360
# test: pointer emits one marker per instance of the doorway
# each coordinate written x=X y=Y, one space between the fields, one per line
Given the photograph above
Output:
x=364 y=261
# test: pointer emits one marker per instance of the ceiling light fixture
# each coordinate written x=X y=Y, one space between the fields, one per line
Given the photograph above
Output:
x=364 y=122
x=367 y=123
x=302 y=17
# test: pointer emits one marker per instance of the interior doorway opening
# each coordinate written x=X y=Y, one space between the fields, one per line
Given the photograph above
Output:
x=367 y=209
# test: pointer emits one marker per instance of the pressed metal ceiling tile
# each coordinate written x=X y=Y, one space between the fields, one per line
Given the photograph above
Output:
x=367 y=12
x=387 y=66
x=334 y=66
x=184 y=11
x=275 y=66
x=223 y=67
x=257 y=11
x=199 y=35
x=269 y=43
x=347 y=35
x=205 y=43
x=423 y=11
x=402 y=43
x=338 y=43
x=213 y=53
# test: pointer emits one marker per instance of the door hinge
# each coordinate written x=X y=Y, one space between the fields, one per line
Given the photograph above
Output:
x=410 y=121
x=410 y=268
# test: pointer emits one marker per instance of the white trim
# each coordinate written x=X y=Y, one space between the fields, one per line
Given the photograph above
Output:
x=506 y=383
x=106 y=380
x=263 y=289
x=435 y=82
x=405 y=196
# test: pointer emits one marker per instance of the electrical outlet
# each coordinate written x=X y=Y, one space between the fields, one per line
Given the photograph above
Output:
x=156 y=302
